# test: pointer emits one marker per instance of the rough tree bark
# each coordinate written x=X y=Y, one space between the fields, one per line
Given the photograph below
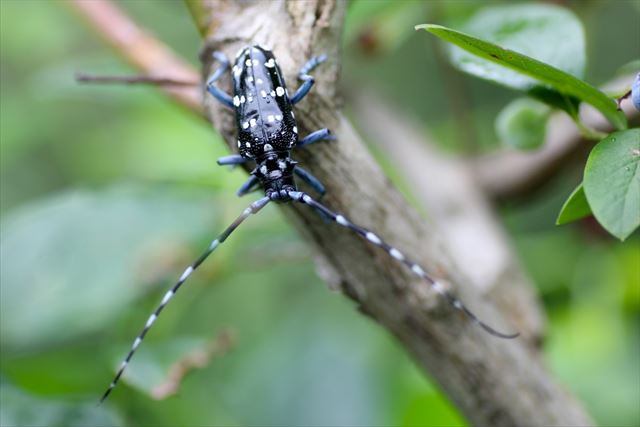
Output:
x=494 y=382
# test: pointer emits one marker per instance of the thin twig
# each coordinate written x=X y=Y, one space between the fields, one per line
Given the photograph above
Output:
x=141 y=49
x=198 y=358
x=159 y=81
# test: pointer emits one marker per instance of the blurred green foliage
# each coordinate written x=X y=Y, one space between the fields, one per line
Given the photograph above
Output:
x=107 y=192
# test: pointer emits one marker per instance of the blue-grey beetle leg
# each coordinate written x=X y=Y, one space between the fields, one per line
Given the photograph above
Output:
x=221 y=96
x=307 y=80
x=319 y=135
x=234 y=159
x=249 y=185
x=307 y=177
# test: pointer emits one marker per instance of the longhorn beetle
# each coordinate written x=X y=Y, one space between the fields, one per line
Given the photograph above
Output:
x=267 y=134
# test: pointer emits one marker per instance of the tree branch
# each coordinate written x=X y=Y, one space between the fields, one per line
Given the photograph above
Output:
x=458 y=209
x=494 y=382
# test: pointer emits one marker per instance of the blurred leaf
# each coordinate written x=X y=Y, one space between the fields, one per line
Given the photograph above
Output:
x=522 y=124
x=628 y=68
x=73 y=262
x=378 y=28
x=72 y=369
x=612 y=182
x=575 y=207
x=559 y=80
x=550 y=34
x=21 y=409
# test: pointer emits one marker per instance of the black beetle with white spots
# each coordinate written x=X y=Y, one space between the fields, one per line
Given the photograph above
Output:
x=267 y=133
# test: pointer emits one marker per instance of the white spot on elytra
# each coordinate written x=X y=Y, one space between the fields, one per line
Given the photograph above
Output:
x=373 y=238
x=247 y=144
x=242 y=99
x=293 y=115
x=252 y=122
x=186 y=273
x=270 y=118
x=254 y=61
x=396 y=254
x=279 y=91
x=250 y=98
x=236 y=101
x=295 y=129
x=268 y=147
x=341 y=220
x=263 y=170
x=263 y=93
x=239 y=143
x=279 y=117
x=250 y=79
x=259 y=81
x=270 y=63
x=245 y=125
x=273 y=93
x=247 y=63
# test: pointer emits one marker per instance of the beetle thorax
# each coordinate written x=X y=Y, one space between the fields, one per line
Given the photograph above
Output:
x=275 y=172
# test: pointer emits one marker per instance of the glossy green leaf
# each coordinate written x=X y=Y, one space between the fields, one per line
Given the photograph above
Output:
x=612 y=182
x=522 y=124
x=550 y=34
x=73 y=262
x=575 y=207
x=561 y=81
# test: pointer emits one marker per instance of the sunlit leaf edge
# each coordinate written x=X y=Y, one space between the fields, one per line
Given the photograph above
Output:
x=575 y=207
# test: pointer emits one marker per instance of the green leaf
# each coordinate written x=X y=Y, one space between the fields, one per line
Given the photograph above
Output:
x=73 y=262
x=522 y=124
x=19 y=409
x=548 y=33
x=612 y=182
x=575 y=207
x=559 y=80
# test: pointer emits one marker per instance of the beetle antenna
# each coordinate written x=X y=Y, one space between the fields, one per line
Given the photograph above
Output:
x=399 y=256
x=252 y=209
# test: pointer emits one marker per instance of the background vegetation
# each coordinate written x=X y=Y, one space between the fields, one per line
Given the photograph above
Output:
x=108 y=192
